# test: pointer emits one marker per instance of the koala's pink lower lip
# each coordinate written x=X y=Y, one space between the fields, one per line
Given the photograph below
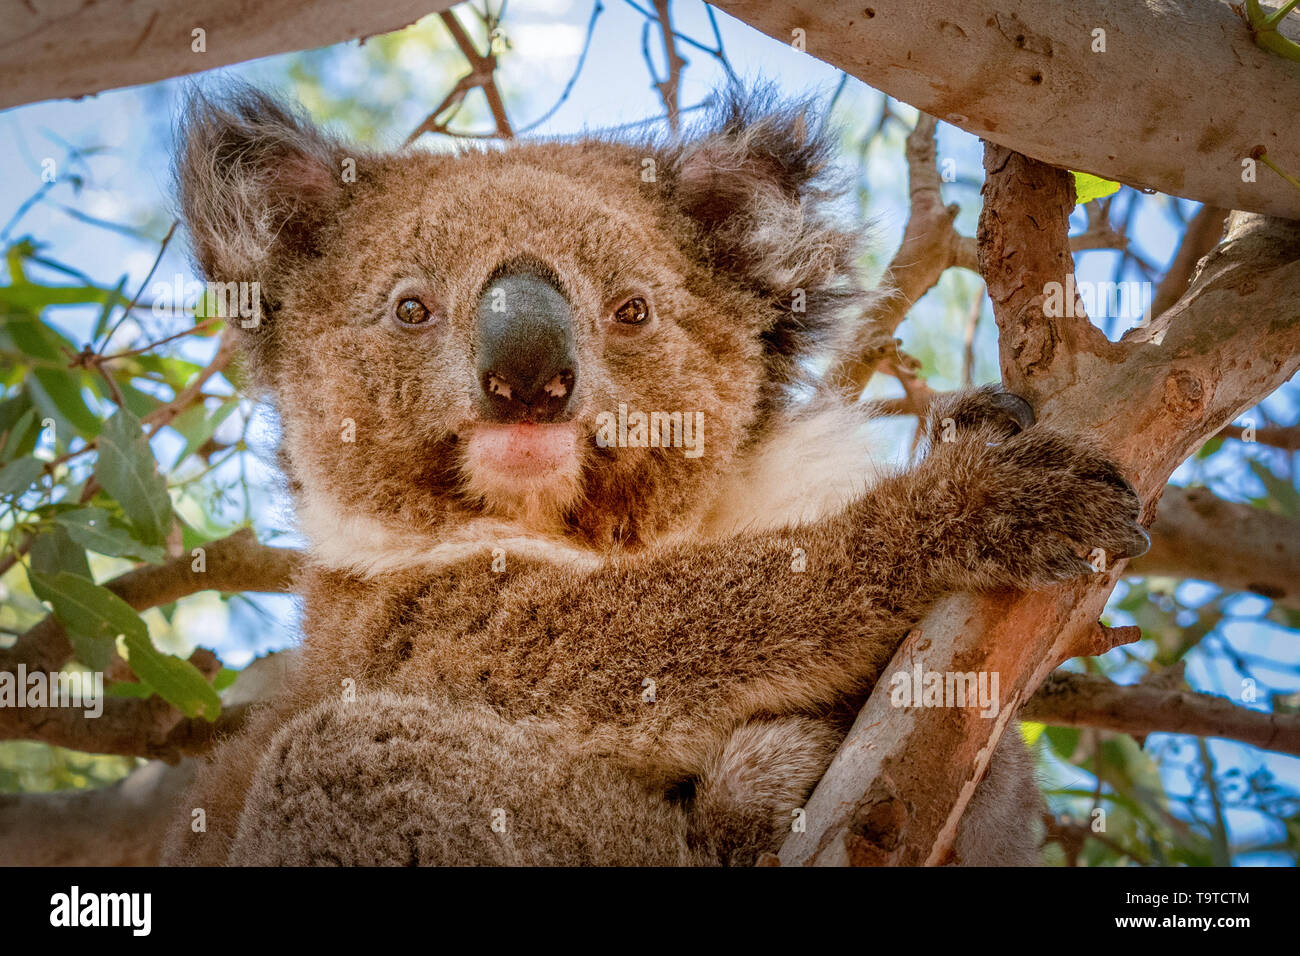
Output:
x=524 y=449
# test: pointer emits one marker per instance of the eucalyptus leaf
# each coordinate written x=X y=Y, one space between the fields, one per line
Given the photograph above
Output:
x=97 y=530
x=127 y=470
x=17 y=476
x=92 y=615
x=1088 y=187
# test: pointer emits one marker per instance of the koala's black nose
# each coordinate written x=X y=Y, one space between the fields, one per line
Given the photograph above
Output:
x=526 y=362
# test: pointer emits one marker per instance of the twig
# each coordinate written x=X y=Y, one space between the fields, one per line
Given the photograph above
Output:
x=481 y=75
x=930 y=246
x=968 y=338
x=669 y=88
x=1202 y=235
x=1286 y=437
x=143 y=285
x=596 y=10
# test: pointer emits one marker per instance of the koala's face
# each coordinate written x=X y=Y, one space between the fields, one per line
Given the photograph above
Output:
x=578 y=336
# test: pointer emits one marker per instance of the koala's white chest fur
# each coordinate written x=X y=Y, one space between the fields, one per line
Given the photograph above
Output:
x=808 y=466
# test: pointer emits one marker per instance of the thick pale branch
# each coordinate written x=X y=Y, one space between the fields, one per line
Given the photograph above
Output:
x=57 y=50
x=1029 y=75
x=1084 y=700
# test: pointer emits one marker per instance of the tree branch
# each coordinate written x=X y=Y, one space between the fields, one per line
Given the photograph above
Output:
x=1240 y=548
x=1202 y=235
x=670 y=88
x=1021 y=73
x=481 y=75
x=148 y=727
x=119 y=825
x=1286 y=437
x=49 y=51
x=1089 y=700
x=1150 y=401
x=232 y=564
x=930 y=246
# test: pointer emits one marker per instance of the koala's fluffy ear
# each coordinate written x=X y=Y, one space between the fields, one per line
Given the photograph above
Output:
x=759 y=182
x=256 y=181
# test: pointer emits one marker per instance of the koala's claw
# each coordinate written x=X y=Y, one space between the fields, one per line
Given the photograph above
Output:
x=1141 y=543
x=987 y=413
x=1057 y=504
x=1014 y=407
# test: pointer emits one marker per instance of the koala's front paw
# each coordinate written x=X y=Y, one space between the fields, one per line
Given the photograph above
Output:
x=1047 y=508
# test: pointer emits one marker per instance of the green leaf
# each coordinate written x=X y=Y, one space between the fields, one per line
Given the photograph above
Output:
x=57 y=393
x=101 y=323
x=1088 y=187
x=17 y=432
x=198 y=426
x=99 y=531
x=54 y=551
x=32 y=297
x=37 y=342
x=1210 y=447
x=1280 y=491
x=175 y=372
x=127 y=470
x=1064 y=740
x=178 y=682
x=126 y=688
x=140 y=403
x=17 y=476
x=93 y=615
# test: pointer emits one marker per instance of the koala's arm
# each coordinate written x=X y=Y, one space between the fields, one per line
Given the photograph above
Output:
x=730 y=630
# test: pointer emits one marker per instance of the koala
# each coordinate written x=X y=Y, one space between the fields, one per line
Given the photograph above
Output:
x=592 y=577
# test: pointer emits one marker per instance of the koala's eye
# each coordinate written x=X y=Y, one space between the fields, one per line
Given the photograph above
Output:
x=412 y=312
x=635 y=311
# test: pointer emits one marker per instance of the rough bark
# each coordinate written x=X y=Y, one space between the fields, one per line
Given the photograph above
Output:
x=1149 y=400
x=1180 y=97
